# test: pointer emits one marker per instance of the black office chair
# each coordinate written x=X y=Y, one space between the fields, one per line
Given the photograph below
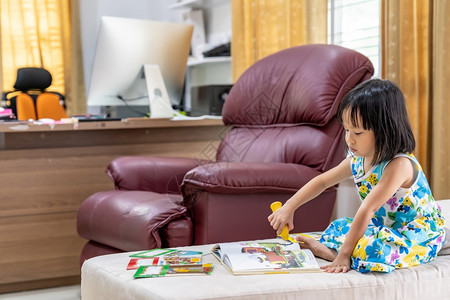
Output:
x=33 y=82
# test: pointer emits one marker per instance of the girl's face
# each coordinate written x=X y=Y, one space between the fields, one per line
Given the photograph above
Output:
x=361 y=142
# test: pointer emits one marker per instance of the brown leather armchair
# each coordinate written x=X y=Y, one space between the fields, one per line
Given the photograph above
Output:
x=283 y=131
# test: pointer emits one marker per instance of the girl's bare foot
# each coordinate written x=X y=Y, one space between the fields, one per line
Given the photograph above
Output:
x=318 y=249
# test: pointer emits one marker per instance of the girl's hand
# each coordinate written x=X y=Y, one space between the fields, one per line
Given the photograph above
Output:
x=339 y=264
x=281 y=217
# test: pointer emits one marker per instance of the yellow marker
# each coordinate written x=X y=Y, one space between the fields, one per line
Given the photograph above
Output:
x=285 y=232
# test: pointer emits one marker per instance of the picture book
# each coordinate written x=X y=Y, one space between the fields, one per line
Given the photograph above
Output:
x=272 y=256
x=156 y=257
x=135 y=262
x=168 y=270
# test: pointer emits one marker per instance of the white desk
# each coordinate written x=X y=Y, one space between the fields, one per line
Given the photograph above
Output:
x=106 y=277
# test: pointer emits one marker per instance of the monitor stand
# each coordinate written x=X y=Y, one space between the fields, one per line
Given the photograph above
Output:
x=160 y=106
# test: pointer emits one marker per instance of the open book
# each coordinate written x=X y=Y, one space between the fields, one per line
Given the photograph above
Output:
x=271 y=256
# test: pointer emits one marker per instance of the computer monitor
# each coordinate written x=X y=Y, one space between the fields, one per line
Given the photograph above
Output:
x=124 y=46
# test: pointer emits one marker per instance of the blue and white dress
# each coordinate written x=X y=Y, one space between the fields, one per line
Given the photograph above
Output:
x=406 y=231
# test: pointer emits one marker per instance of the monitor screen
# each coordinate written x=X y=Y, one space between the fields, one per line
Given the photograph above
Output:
x=124 y=46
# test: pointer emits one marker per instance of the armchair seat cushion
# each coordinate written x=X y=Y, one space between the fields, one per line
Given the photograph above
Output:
x=135 y=220
x=230 y=201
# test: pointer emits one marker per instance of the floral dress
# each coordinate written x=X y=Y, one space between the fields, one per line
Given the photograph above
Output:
x=406 y=231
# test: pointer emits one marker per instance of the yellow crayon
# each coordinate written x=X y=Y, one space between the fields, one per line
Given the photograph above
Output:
x=285 y=232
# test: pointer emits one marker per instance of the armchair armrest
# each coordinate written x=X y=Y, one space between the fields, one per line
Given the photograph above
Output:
x=147 y=173
x=134 y=220
x=247 y=178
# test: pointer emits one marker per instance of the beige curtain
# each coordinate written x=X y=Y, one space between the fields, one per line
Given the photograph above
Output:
x=440 y=150
x=43 y=33
x=263 y=27
x=414 y=42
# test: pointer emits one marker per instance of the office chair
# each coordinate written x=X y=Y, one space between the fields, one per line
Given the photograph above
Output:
x=33 y=82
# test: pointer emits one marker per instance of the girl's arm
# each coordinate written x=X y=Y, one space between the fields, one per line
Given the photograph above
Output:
x=399 y=172
x=285 y=215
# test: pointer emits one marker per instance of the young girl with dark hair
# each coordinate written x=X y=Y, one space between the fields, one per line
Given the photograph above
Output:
x=398 y=224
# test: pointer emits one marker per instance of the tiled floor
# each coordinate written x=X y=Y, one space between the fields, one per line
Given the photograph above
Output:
x=60 y=293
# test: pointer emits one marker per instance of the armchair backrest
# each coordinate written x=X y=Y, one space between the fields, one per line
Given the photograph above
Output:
x=283 y=108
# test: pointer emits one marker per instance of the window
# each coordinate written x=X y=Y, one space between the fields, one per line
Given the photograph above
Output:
x=355 y=24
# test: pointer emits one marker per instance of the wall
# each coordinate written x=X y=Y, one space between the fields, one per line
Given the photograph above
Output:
x=217 y=15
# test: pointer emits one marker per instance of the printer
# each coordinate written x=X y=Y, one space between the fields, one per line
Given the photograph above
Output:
x=208 y=99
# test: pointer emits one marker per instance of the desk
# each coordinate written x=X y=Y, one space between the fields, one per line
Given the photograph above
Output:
x=106 y=278
x=48 y=170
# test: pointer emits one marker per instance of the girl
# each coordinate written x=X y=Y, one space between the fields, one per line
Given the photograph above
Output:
x=398 y=223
